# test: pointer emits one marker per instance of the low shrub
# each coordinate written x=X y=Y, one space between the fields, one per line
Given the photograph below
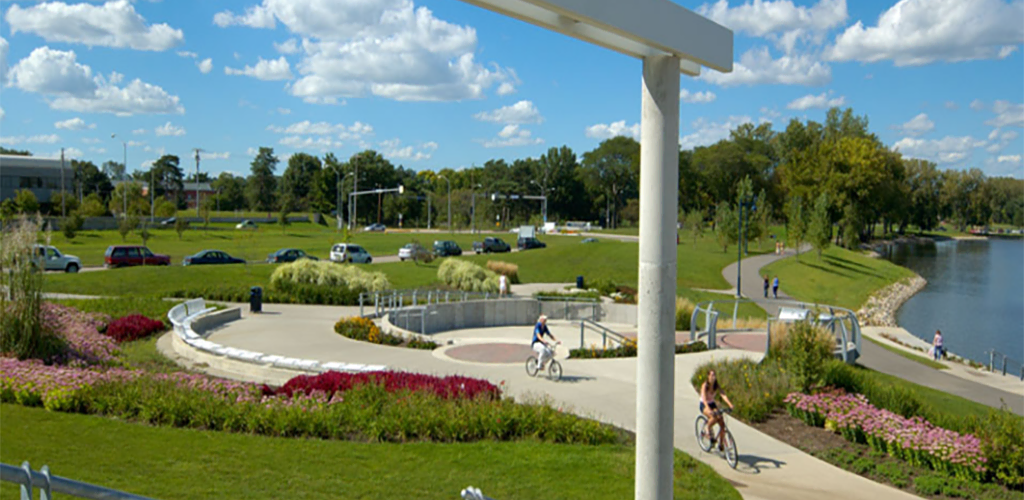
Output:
x=133 y=327
x=464 y=275
x=417 y=343
x=629 y=350
x=358 y=328
x=450 y=387
x=803 y=349
x=684 y=312
x=755 y=390
x=510 y=270
x=580 y=294
x=895 y=398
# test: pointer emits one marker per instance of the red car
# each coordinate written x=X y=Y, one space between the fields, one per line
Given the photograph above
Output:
x=133 y=255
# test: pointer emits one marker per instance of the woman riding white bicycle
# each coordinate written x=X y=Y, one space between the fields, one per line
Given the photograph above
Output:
x=709 y=390
x=543 y=350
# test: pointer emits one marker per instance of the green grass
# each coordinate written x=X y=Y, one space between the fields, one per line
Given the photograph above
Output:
x=913 y=357
x=936 y=402
x=151 y=307
x=180 y=463
x=142 y=354
x=725 y=307
x=841 y=277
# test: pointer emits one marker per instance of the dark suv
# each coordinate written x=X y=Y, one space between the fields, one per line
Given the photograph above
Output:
x=446 y=248
x=133 y=255
x=530 y=242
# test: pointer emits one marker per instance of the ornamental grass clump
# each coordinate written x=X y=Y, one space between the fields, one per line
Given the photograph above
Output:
x=510 y=270
x=914 y=440
x=327 y=274
x=755 y=389
x=466 y=276
x=684 y=313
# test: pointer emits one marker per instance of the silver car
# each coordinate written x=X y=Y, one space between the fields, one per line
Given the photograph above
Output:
x=351 y=253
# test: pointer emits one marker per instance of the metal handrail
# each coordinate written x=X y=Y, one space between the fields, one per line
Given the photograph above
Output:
x=384 y=301
x=49 y=484
x=603 y=330
x=992 y=353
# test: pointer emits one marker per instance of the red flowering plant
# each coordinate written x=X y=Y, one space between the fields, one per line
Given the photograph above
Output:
x=133 y=327
x=450 y=387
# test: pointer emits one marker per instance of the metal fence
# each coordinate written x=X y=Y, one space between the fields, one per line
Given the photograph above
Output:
x=604 y=331
x=1003 y=362
x=384 y=302
x=570 y=308
x=30 y=480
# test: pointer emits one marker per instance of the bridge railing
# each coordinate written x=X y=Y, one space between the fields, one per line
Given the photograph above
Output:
x=48 y=484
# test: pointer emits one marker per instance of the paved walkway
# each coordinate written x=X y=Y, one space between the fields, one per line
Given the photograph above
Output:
x=601 y=389
x=874 y=356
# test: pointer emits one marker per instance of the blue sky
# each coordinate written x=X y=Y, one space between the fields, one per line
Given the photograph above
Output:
x=439 y=83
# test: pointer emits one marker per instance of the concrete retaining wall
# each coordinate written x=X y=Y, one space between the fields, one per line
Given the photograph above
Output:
x=444 y=317
x=214 y=319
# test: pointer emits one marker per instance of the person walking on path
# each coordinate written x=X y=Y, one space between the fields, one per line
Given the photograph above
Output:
x=502 y=285
x=766 y=286
x=775 y=287
x=937 y=349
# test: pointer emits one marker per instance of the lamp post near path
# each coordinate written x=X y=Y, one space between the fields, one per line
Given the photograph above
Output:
x=670 y=40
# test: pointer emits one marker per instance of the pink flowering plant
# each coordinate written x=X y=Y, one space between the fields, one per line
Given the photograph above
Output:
x=914 y=440
x=84 y=344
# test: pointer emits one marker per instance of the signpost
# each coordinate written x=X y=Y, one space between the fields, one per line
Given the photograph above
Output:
x=670 y=40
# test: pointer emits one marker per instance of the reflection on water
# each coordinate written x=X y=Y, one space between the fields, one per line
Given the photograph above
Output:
x=975 y=294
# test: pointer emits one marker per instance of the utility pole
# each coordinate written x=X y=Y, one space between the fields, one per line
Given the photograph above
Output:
x=379 y=195
x=197 y=150
x=63 y=192
x=355 y=200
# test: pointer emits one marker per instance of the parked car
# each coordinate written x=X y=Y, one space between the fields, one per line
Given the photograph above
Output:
x=529 y=243
x=49 y=258
x=348 y=252
x=589 y=240
x=378 y=227
x=446 y=248
x=133 y=255
x=412 y=251
x=210 y=257
x=288 y=255
x=169 y=222
x=491 y=245
x=246 y=224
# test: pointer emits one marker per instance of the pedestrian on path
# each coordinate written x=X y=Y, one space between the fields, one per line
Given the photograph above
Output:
x=937 y=350
x=502 y=285
x=775 y=287
x=766 y=286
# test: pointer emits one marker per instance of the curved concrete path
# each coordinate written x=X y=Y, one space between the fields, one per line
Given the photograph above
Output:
x=872 y=355
x=601 y=389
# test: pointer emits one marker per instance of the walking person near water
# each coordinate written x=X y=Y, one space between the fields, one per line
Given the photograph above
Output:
x=775 y=287
x=937 y=349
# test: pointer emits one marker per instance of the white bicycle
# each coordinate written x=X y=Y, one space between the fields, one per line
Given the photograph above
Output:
x=554 y=367
x=706 y=441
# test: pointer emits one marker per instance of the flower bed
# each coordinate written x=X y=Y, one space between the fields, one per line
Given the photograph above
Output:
x=628 y=350
x=382 y=406
x=133 y=327
x=912 y=439
x=358 y=328
x=85 y=345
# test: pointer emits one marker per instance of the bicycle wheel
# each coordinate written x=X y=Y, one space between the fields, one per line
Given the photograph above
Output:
x=531 y=366
x=731 y=455
x=700 y=430
x=555 y=370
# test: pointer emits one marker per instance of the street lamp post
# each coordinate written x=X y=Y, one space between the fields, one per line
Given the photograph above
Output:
x=197 y=150
x=449 y=201
x=472 y=211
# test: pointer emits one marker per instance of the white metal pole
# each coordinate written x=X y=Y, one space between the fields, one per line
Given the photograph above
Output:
x=659 y=184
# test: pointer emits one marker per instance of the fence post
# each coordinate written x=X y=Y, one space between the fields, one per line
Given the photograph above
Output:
x=581 y=336
x=361 y=303
x=1004 y=365
x=991 y=360
x=26 y=487
x=45 y=492
x=566 y=304
x=735 y=310
x=414 y=292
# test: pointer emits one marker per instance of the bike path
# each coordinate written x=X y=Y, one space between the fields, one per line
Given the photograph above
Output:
x=873 y=356
x=600 y=389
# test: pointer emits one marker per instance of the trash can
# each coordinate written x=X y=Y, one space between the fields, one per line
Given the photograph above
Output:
x=579 y=282
x=256 y=299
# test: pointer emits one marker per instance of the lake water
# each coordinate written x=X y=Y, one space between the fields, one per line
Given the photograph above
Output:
x=975 y=295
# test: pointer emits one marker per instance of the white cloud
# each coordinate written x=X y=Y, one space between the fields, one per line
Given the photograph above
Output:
x=98 y=150
x=506 y=88
x=357 y=130
x=186 y=53
x=91 y=140
x=139 y=131
x=4 y=48
x=915 y=32
x=708 y=133
x=614 y=129
x=323 y=143
x=756 y=67
x=2 y=114
x=35 y=139
x=780 y=21
x=520 y=112
x=951 y=105
x=999 y=140
x=697 y=97
x=948 y=150
x=205 y=66
x=55 y=155
x=1012 y=159
x=511 y=136
x=284 y=111
x=74 y=124
x=820 y=101
x=168 y=129
x=393 y=149
x=272 y=69
x=1008 y=114
x=112 y=24
x=387 y=48
x=978 y=105
x=211 y=155
x=290 y=46
x=57 y=73
x=917 y=126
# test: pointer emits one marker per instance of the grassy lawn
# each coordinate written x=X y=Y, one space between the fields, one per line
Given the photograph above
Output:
x=180 y=463
x=841 y=277
x=913 y=357
x=938 y=402
x=151 y=307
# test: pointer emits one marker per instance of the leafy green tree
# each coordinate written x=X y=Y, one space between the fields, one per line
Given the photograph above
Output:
x=851 y=227
x=559 y=180
x=8 y=209
x=70 y=225
x=726 y=226
x=138 y=204
x=15 y=152
x=165 y=208
x=113 y=170
x=125 y=226
x=611 y=173
x=89 y=179
x=70 y=203
x=819 y=232
x=261 y=185
x=796 y=224
x=26 y=201
x=230 y=191
x=695 y=224
x=180 y=225
x=764 y=217
x=168 y=179
x=145 y=234
x=286 y=209
x=92 y=206
x=298 y=178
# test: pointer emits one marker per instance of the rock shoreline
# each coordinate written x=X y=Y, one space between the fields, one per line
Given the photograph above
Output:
x=880 y=309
